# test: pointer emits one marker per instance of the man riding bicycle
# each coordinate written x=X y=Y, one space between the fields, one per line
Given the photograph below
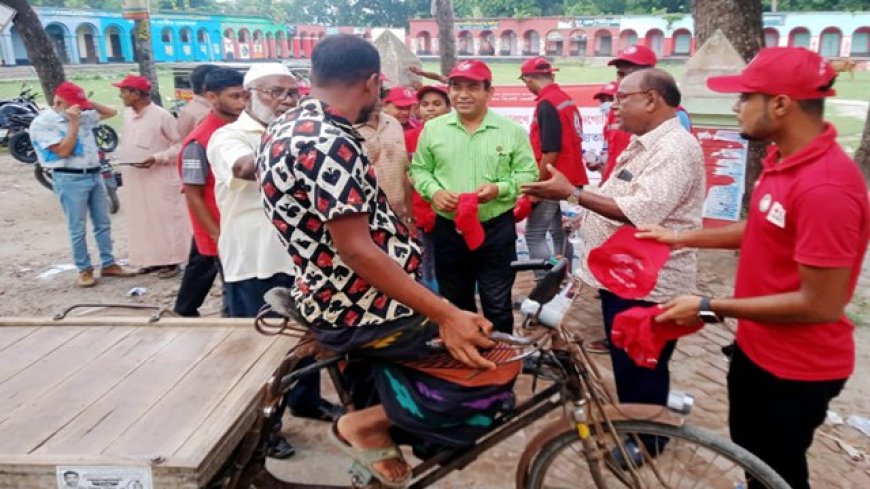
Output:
x=355 y=267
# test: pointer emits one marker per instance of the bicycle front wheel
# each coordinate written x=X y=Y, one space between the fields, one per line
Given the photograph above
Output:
x=690 y=458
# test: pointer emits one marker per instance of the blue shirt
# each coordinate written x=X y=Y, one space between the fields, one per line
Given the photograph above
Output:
x=50 y=128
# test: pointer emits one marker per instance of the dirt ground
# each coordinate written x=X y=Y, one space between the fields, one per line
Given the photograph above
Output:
x=34 y=242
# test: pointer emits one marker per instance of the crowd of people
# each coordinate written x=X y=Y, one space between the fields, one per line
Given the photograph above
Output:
x=390 y=212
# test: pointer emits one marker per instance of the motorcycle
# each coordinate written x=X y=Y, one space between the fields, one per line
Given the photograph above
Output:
x=22 y=148
x=111 y=178
x=16 y=114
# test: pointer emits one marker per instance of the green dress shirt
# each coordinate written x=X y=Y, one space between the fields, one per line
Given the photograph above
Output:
x=449 y=158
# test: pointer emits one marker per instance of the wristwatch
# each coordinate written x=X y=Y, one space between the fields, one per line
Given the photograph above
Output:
x=574 y=198
x=706 y=314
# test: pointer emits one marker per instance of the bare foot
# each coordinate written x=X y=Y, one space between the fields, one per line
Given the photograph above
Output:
x=359 y=430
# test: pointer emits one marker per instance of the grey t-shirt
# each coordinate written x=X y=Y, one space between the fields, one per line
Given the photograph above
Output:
x=194 y=164
x=50 y=127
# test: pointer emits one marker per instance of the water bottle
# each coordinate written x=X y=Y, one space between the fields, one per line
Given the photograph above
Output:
x=571 y=212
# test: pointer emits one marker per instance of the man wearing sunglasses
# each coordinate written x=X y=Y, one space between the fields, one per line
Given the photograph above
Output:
x=251 y=254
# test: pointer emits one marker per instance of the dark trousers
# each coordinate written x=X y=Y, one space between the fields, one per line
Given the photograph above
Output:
x=635 y=384
x=459 y=270
x=775 y=418
x=196 y=282
x=244 y=300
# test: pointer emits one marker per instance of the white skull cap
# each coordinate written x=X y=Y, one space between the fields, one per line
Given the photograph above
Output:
x=262 y=70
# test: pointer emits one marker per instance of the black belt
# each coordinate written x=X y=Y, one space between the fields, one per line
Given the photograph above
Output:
x=80 y=171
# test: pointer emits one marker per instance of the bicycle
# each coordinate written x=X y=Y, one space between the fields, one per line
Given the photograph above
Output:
x=596 y=443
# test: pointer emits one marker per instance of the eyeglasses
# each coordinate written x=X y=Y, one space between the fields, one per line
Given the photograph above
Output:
x=621 y=96
x=279 y=93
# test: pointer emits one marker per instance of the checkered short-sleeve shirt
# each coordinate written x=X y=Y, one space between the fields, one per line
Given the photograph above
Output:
x=312 y=169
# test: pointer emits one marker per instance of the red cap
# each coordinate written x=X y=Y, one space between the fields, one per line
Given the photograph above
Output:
x=431 y=88
x=73 y=94
x=796 y=72
x=608 y=89
x=636 y=55
x=628 y=266
x=135 y=82
x=401 y=97
x=472 y=69
x=537 y=66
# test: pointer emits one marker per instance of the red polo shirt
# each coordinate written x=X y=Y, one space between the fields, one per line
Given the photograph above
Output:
x=810 y=209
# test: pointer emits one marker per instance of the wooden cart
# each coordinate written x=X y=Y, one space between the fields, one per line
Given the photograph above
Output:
x=176 y=395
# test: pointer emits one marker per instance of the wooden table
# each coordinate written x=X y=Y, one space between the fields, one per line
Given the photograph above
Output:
x=176 y=395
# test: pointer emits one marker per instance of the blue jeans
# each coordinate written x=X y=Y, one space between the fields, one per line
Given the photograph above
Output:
x=546 y=216
x=79 y=195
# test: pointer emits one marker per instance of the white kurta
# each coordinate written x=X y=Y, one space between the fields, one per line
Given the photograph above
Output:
x=158 y=229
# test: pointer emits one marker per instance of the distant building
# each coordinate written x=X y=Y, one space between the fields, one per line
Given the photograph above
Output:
x=832 y=34
x=98 y=36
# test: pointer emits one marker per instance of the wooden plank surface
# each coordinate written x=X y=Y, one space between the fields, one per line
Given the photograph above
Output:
x=201 y=450
x=48 y=372
x=132 y=395
x=127 y=402
x=192 y=398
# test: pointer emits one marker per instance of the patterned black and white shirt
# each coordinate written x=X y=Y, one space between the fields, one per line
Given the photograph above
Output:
x=312 y=169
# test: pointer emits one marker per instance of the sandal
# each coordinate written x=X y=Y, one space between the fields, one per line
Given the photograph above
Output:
x=168 y=272
x=364 y=459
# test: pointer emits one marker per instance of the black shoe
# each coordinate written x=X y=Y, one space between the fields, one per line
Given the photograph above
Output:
x=323 y=410
x=633 y=451
x=280 y=448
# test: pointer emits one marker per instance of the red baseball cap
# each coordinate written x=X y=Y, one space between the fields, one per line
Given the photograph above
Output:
x=636 y=55
x=401 y=97
x=627 y=266
x=473 y=69
x=796 y=72
x=431 y=88
x=73 y=94
x=135 y=82
x=608 y=89
x=537 y=66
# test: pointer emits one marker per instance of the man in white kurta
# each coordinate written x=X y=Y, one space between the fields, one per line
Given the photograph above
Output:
x=158 y=229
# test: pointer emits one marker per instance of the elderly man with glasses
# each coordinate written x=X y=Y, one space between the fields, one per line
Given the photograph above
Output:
x=251 y=254
x=659 y=178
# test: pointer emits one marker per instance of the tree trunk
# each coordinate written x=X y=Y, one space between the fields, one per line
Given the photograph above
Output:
x=446 y=37
x=147 y=68
x=741 y=22
x=39 y=47
x=862 y=156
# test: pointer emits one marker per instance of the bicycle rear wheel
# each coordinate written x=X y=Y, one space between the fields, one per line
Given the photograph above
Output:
x=692 y=458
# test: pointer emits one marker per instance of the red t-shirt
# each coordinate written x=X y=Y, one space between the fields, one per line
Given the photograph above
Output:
x=809 y=209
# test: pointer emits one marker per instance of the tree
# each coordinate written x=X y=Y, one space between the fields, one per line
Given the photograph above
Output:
x=446 y=37
x=40 y=49
x=862 y=156
x=147 y=68
x=740 y=21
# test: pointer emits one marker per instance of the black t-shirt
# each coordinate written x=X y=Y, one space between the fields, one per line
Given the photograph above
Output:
x=550 y=127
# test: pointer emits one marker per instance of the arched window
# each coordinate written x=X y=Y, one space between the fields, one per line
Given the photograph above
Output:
x=799 y=37
x=861 y=42
x=627 y=38
x=682 y=42
x=555 y=43
x=771 y=37
x=830 y=42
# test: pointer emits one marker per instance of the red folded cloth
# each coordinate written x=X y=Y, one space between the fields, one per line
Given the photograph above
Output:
x=627 y=266
x=467 y=222
x=642 y=338
x=424 y=216
x=523 y=208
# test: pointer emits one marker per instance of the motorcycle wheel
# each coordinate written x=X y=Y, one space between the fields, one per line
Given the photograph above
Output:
x=21 y=148
x=107 y=138
x=43 y=176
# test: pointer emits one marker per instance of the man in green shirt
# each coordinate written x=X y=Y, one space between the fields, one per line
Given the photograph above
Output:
x=474 y=150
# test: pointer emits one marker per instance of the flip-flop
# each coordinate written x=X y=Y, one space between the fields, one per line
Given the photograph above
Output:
x=167 y=272
x=365 y=458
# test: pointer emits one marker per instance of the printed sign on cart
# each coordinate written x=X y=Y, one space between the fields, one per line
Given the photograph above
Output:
x=110 y=477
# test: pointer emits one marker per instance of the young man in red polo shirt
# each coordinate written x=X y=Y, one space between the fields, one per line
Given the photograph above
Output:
x=556 y=134
x=399 y=103
x=801 y=250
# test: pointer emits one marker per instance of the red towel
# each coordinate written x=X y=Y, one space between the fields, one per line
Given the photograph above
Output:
x=523 y=208
x=424 y=216
x=467 y=222
x=636 y=332
x=628 y=266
